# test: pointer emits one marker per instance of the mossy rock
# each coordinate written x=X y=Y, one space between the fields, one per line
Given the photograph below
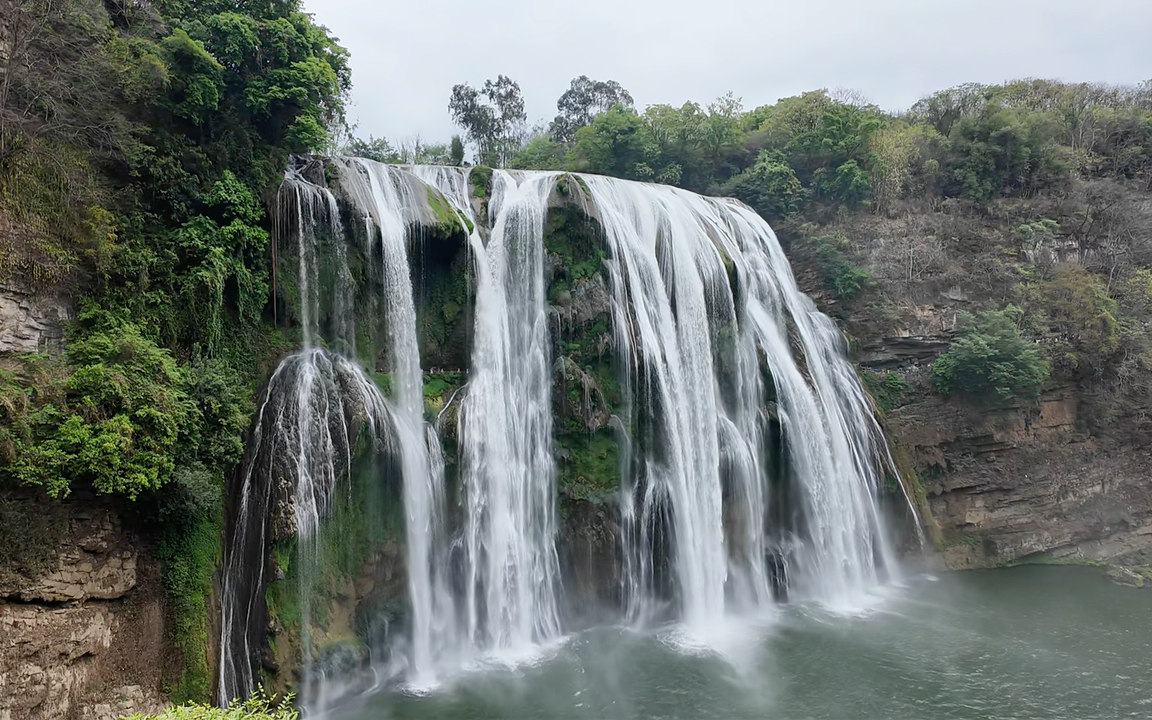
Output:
x=481 y=180
x=446 y=220
x=589 y=465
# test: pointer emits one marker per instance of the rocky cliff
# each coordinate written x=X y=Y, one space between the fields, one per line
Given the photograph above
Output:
x=82 y=619
x=1067 y=477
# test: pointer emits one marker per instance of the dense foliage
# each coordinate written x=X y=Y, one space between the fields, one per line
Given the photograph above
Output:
x=138 y=143
x=991 y=358
x=257 y=707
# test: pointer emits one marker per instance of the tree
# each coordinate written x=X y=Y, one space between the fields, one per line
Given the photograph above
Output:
x=582 y=101
x=374 y=148
x=1080 y=316
x=57 y=80
x=456 y=151
x=493 y=118
x=1005 y=151
x=944 y=109
x=989 y=359
x=770 y=187
x=615 y=143
x=541 y=153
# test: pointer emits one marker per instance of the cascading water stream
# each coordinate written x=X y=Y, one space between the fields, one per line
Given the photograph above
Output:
x=390 y=200
x=511 y=568
x=736 y=403
x=301 y=448
x=690 y=276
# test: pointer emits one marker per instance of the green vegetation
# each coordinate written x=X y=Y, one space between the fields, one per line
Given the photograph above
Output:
x=888 y=389
x=362 y=519
x=990 y=359
x=137 y=141
x=191 y=522
x=257 y=707
x=589 y=467
x=831 y=253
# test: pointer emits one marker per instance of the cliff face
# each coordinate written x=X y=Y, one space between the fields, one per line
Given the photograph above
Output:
x=82 y=620
x=1068 y=475
x=1006 y=483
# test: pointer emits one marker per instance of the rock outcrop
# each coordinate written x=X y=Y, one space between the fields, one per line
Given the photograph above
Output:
x=82 y=634
x=31 y=322
x=1008 y=482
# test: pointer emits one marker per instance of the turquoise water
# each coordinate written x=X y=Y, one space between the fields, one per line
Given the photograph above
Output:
x=1030 y=642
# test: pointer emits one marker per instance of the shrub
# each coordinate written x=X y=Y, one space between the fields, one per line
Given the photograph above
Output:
x=119 y=419
x=1082 y=318
x=888 y=389
x=770 y=187
x=991 y=360
x=257 y=707
x=840 y=274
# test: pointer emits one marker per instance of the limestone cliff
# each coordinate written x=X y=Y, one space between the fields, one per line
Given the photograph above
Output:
x=82 y=619
x=1068 y=476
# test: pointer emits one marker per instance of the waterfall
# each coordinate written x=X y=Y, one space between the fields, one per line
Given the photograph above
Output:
x=511 y=567
x=389 y=198
x=301 y=448
x=701 y=291
x=748 y=452
x=507 y=429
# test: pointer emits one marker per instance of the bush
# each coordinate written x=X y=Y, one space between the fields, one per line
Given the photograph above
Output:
x=991 y=360
x=888 y=389
x=769 y=187
x=257 y=707
x=840 y=275
x=1075 y=307
x=117 y=423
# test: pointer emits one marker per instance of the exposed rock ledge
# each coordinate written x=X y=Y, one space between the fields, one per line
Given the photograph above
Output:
x=1005 y=483
x=84 y=639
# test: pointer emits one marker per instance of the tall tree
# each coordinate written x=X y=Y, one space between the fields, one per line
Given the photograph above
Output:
x=492 y=118
x=584 y=100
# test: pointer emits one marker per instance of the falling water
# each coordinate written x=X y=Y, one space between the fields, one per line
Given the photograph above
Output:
x=701 y=290
x=301 y=449
x=512 y=573
x=391 y=198
x=738 y=401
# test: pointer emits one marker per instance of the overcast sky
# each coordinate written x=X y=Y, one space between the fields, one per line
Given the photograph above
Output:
x=407 y=54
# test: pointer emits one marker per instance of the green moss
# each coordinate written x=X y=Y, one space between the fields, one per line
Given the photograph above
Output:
x=189 y=560
x=481 y=179
x=447 y=220
x=589 y=467
x=362 y=520
x=915 y=489
x=384 y=382
x=438 y=388
x=577 y=239
x=445 y=298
